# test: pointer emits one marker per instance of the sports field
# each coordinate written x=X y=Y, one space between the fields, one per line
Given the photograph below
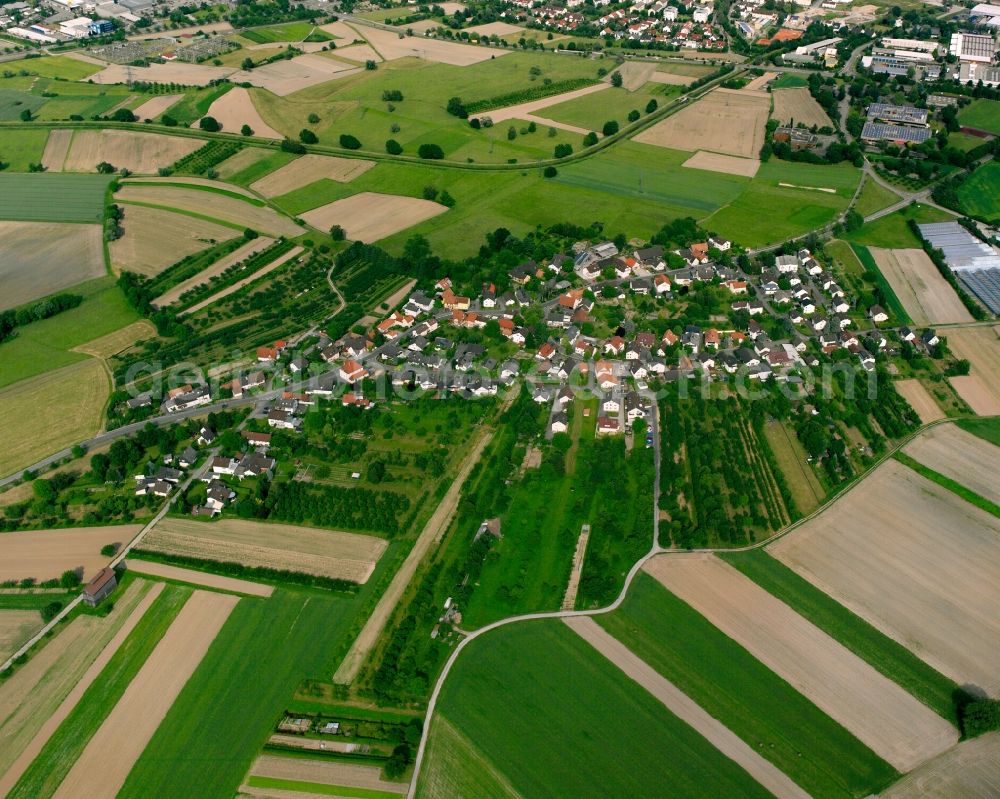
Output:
x=515 y=698
x=50 y=197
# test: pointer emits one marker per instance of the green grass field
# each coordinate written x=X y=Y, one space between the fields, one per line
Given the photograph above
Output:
x=244 y=169
x=287 y=32
x=890 y=658
x=988 y=429
x=61 y=751
x=45 y=345
x=592 y=110
x=983 y=115
x=789 y=81
x=20 y=148
x=731 y=685
x=320 y=788
x=517 y=695
x=980 y=194
x=52 y=197
x=229 y=707
x=58 y=66
x=14 y=101
x=874 y=197
x=195 y=103
x=892 y=231
x=964 y=141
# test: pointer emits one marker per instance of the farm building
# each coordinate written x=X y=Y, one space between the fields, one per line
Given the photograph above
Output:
x=101 y=586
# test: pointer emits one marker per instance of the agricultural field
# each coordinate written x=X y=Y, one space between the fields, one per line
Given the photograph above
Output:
x=62 y=67
x=56 y=148
x=982 y=115
x=141 y=153
x=308 y=169
x=591 y=111
x=796 y=106
x=287 y=32
x=332 y=777
x=16 y=627
x=893 y=232
x=43 y=258
x=113 y=343
x=803 y=483
x=874 y=197
x=927 y=580
x=21 y=148
x=979 y=195
x=733 y=686
x=156 y=106
x=959 y=456
x=981 y=387
x=489 y=741
x=916 y=281
x=216 y=582
x=235 y=109
x=889 y=721
x=44 y=414
x=52 y=197
x=212 y=269
x=970 y=770
x=920 y=399
x=46 y=554
x=726 y=164
x=327 y=553
x=371 y=217
x=252 y=163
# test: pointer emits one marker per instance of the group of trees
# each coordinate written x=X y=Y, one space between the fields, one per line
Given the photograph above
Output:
x=12 y=319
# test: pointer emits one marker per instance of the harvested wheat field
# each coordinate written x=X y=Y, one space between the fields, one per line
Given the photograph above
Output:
x=925 y=295
x=301 y=72
x=797 y=106
x=327 y=553
x=40 y=694
x=173 y=72
x=211 y=204
x=440 y=51
x=981 y=347
x=119 y=341
x=920 y=399
x=325 y=772
x=16 y=627
x=281 y=260
x=56 y=147
x=235 y=109
x=142 y=153
x=155 y=239
x=46 y=554
x=64 y=406
x=758 y=83
x=110 y=754
x=915 y=560
x=728 y=164
x=723 y=121
x=524 y=110
x=246 y=157
x=194 y=577
x=370 y=216
x=42 y=258
x=670 y=78
x=187 y=180
x=308 y=169
x=970 y=770
x=495 y=29
x=636 y=74
x=878 y=712
x=685 y=708
x=220 y=266
x=965 y=458
x=155 y=106
x=355 y=54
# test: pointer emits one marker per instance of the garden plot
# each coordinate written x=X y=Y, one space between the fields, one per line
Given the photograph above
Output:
x=797 y=106
x=727 y=164
x=327 y=553
x=440 y=51
x=925 y=295
x=46 y=554
x=920 y=399
x=308 y=169
x=108 y=758
x=220 y=266
x=155 y=239
x=915 y=560
x=173 y=72
x=370 y=216
x=42 y=258
x=891 y=722
x=301 y=72
x=16 y=627
x=967 y=459
x=981 y=347
x=235 y=109
x=152 y=108
x=212 y=205
x=56 y=148
x=142 y=153
x=207 y=579
x=723 y=121
x=970 y=770
x=329 y=772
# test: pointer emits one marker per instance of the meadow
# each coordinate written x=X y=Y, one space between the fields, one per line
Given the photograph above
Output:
x=983 y=115
x=527 y=694
x=731 y=685
x=227 y=709
x=874 y=197
x=62 y=67
x=20 y=148
x=980 y=194
x=874 y=647
x=892 y=231
x=48 y=769
x=592 y=110
x=50 y=197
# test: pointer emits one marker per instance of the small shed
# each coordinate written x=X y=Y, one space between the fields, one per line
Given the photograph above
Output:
x=103 y=584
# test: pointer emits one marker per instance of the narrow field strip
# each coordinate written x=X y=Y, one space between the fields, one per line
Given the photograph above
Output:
x=54 y=720
x=79 y=723
x=882 y=715
x=326 y=772
x=280 y=261
x=195 y=577
x=951 y=485
x=960 y=456
x=678 y=703
x=108 y=758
